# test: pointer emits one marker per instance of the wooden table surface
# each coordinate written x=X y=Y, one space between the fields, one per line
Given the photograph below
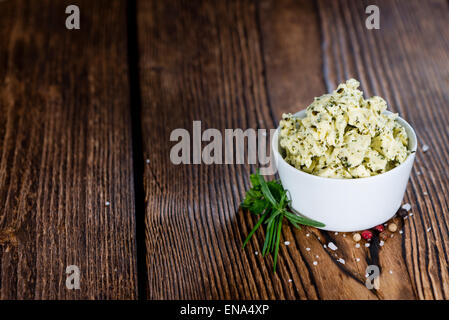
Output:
x=81 y=111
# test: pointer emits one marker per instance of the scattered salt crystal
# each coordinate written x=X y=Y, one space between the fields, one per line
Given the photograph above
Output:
x=107 y=203
x=366 y=275
x=401 y=232
x=307 y=234
x=425 y=193
x=147 y=161
x=357 y=245
x=308 y=249
x=381 y=243
x=256 y=253
x=406 y=217
x=392 y=236
x=332 y=246
x=391 y=271
x=290 y=280
x=315 y=263
x=425 y=148
x=317 y=256
x=336 y=233
x=367 y=245
x=428 y=229
x=287 y=243
x=324 y=246
x=418 y=173
x=407 y=206
x=344 y=235
x=342 y=261
x=357 y=259
x=411 y=214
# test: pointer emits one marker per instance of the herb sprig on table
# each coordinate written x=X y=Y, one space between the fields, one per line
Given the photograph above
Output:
x=269 y=201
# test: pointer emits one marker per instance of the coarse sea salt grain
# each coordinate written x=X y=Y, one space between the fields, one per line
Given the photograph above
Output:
x=425 y=148
x=342 y=261
x=391 y=271
x=336 y=233
x=307 y=235
x=357 y=245
x=367 y=245
x=357 y=259
x=381 y=243
x=317 y=256
x=428 y=229
x=401 y=232
x=332 y=246
x=315 y=263
x=425 y=193
x=147 y=161
x=290 y=280
x=308 y=249
x=256 y=253
x=107 y=203
x=287 y=243
x=407 y=206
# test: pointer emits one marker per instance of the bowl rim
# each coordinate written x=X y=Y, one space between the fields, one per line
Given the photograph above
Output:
x=410 y=157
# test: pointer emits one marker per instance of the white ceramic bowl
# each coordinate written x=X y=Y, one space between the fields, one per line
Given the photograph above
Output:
x=346 y=204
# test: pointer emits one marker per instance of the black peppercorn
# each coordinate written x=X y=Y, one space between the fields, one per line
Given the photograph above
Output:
x=402 y=213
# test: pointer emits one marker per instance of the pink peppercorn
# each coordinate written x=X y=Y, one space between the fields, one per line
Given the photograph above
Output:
x=379 y=228
x=367 y=235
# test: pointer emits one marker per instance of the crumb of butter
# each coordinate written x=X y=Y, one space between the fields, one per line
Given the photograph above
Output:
x=344 y=136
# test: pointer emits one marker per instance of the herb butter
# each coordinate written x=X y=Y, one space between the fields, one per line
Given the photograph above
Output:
x=344 y=136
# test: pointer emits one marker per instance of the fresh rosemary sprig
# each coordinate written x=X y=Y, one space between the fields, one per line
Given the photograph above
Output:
x=270 y=201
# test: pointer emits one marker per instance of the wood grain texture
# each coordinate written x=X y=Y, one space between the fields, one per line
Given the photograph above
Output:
x=240 y=64
x=200 y=61
x=406 y=61
x=65 y=132
x=66 y=151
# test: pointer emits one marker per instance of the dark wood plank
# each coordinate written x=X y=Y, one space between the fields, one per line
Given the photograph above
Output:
x=200 y=61
x=406 y=61
x=240 y=64
x=66 y=151
x=294 y=72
